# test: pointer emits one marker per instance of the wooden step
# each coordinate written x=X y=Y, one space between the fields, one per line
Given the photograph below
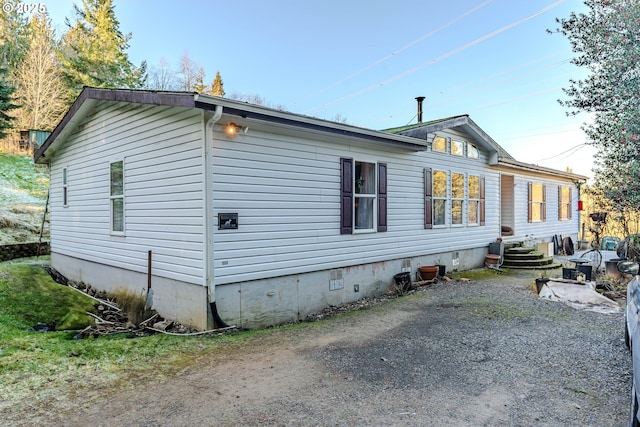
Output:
x=523 y=256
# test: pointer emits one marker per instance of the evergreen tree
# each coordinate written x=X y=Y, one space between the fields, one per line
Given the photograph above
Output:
x=39 y=79
x=217 y=87
x=6 y=103
x=606 y=41
x=95 y=50
x=13 y=41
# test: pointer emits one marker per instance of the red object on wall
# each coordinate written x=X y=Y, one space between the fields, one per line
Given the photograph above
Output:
x=580 y=205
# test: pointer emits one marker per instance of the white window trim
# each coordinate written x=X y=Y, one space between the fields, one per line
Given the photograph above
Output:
x=446 y=198
x=112 y=198
x=373 y=196
x=470 y=199
x=65 y=187
x=459 y=199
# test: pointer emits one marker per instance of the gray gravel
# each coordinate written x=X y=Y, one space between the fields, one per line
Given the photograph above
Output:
x=534 y=361
x=482 y=353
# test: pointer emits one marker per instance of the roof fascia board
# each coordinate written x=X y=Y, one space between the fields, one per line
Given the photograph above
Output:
x=90 y=96
x=253 y=112
x=512 y=164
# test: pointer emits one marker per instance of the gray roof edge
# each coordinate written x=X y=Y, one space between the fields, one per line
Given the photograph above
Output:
x=514 y=164
x=176 y=99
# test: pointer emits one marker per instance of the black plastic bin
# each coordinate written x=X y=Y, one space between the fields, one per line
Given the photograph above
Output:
x=403 y=281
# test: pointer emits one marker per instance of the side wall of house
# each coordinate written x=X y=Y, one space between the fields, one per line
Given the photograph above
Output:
x=287 y=257
x=543 y=231
x=161 y=149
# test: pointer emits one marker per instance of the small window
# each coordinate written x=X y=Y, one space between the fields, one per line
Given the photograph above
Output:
x=564 y=203
x=472 y=151
x=117 y=197
x=65 y=189
x=440 y=144
x=439 y=197
x=457 y=198
x=473 y=215
x=537 y=202
x=457 y=148
x=365 y=195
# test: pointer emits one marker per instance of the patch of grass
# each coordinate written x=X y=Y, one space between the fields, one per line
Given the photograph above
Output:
x=23 y=193
x=39 y=365
x=133 y=304
x=480 y=274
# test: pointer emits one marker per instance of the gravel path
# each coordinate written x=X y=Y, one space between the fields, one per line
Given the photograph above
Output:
x=481 y=353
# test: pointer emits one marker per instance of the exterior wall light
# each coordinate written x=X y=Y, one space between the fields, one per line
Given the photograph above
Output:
x=233 y=129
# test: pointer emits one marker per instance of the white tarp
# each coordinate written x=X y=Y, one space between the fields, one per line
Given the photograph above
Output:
x=582 y=297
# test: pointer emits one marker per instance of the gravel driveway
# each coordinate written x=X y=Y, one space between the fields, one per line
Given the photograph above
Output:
x=480 y=353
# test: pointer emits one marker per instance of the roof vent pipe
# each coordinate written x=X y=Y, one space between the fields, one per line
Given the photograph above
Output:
x=420 y=99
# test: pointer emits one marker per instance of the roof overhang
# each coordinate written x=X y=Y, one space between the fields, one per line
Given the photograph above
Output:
x=464 y=124
x=527 y=167
x=89 y=97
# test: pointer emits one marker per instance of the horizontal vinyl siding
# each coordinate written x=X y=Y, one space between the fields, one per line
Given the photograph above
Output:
x=286 y=192
x=163 y=171
x=547 y=229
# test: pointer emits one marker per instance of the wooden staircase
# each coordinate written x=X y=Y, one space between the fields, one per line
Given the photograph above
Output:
x=527 y=258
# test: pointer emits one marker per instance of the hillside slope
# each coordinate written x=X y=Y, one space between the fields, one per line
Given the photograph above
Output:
x=23 y=194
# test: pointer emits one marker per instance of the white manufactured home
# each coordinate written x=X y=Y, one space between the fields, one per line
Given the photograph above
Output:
x=253 y=216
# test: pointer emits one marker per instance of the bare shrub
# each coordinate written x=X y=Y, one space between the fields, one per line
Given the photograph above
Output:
x=132 y=304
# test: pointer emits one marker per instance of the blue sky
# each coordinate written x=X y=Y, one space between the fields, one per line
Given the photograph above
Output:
x=366 y=61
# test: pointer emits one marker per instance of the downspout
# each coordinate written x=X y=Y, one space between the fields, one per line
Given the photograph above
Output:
x=209 y=258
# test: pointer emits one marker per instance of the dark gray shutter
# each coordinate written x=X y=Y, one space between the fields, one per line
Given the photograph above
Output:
x=559 y=202
x=482 y=204
x=346 y=196
x=570 y=203
x=544 y=203
x=529 y=211
x=428 y=198
x=382 y=197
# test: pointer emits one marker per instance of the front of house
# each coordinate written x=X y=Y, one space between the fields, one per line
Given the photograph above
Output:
x=264 y=217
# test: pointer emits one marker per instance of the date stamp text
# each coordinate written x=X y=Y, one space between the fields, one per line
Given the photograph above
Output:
x=9 y=6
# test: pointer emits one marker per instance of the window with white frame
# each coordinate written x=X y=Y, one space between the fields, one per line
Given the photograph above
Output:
x=116 y=170
x=472 y=151
x=564 y=203
x=457 y=198
x=439 y=144
x=444 y=199
x=537 y=202
x=365 y=196
x=457 y=148
x=473 y=206
x=439 y=197
x=65 y=188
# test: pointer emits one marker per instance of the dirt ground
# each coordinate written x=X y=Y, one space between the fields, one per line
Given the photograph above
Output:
x=453 y=354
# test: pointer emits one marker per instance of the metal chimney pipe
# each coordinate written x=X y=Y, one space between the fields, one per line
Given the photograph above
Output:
x=420 y=99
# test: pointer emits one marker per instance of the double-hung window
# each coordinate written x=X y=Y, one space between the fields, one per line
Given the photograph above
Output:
x=363 y=203
x=116 y=172
x=457 y=198
x=439 y=197
x=473 y=214
x=537 y=202
x=564 y=203
x=65 y=188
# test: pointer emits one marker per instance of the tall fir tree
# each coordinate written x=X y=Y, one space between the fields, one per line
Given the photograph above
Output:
x=217 y=87
x=606 y=42
x=95 y=50
x=6 y=103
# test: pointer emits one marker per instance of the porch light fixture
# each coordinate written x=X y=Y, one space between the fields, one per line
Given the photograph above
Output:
x=233 y=129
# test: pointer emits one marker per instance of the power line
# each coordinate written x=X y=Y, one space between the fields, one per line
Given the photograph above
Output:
x=402 y=49
x=440 y=58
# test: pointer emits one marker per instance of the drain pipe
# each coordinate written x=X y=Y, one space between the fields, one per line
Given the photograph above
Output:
x=208 y=139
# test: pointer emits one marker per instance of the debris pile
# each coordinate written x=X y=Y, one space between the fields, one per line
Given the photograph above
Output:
x=110 y=317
